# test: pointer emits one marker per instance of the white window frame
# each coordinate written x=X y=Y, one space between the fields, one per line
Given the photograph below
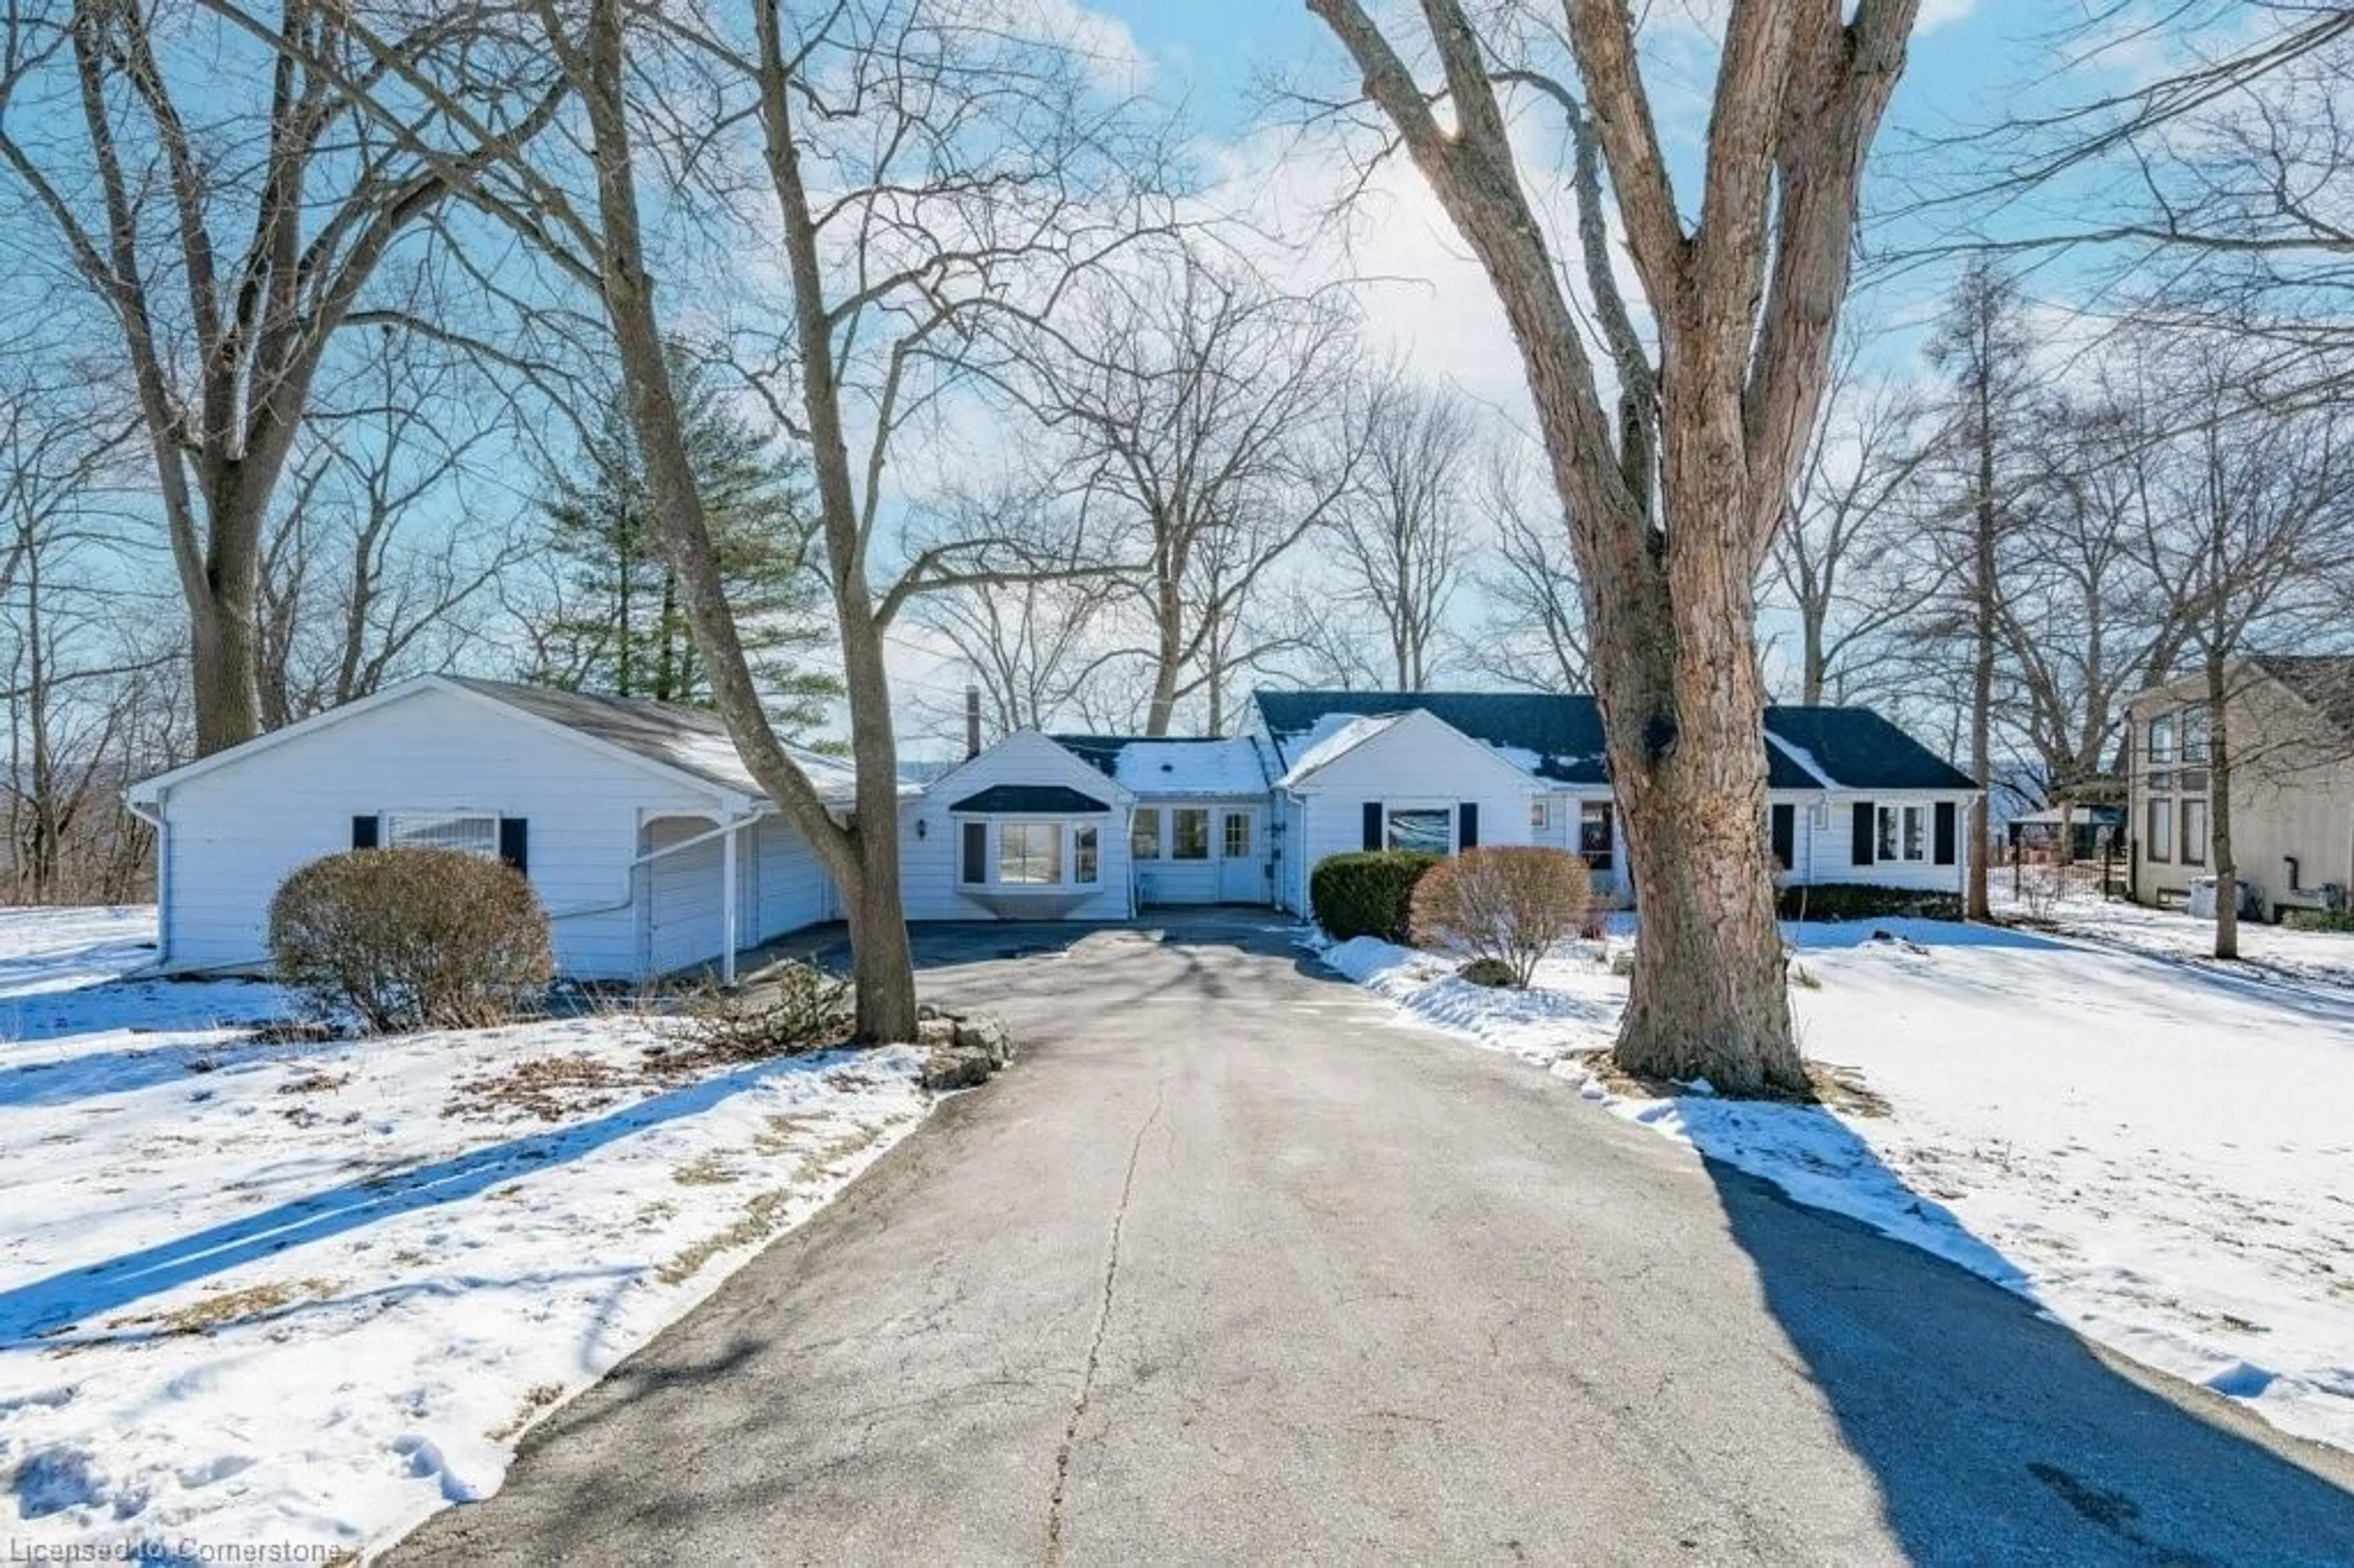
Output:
x=1069 y=832
x=399 y=830
x=1540 y=814
x=1911 y=837
x=1393 y=810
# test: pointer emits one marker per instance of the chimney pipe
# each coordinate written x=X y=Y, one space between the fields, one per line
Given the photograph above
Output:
x=972 y=722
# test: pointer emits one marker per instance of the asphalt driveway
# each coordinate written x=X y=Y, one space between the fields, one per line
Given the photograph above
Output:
x=1233 y=1269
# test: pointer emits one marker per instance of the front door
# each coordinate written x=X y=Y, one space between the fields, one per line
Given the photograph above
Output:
x=1241 y=878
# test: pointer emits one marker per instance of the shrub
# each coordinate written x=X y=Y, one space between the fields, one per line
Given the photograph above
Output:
x=1367 y=892
x=797 y=1008
x=1491 y=972
x=411 y=938
x=1865 y=901
x=1511 y=904
x=2317 y=919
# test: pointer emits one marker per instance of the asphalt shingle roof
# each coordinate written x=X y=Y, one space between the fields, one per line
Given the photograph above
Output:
x=1853 y=748
x=692 y=740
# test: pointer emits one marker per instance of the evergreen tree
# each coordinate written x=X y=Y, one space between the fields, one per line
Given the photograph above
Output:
x=620 y=624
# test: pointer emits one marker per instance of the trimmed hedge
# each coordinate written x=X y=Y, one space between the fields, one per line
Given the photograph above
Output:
x=1367 y=892
x=1865 y=901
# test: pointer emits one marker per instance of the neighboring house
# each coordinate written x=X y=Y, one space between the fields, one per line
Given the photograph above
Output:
x=655 y=851
x=2290 y=731
x=638 y=824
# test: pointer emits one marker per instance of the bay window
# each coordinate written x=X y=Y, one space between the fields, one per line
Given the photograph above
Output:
x=1030 y=854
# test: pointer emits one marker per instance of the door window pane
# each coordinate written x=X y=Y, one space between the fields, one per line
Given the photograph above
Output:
x=1029 y=852
x=1189 y=833
x=1238 y=835
x=1429 y=830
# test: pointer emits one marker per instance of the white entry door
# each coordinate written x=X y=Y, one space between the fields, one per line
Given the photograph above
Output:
x=1241 y=878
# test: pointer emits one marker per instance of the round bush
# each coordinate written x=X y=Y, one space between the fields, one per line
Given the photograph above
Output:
x=1508 y=905
x=1494 y=973
x=412 y=938
x=1367 y=892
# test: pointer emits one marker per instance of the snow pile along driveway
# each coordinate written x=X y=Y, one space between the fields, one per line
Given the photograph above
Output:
x=2159 y=1153
x=305 y=1293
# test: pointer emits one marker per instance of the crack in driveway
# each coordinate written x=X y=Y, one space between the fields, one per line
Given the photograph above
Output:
x=1054 y=1553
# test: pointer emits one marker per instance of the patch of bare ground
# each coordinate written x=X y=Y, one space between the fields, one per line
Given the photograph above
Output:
x=535 y=1400
x=763 y=1214
x=217 y=1309
x=1837 y=1088
x=550 y=1088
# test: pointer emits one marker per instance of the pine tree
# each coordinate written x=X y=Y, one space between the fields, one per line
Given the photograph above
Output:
x=621 y=625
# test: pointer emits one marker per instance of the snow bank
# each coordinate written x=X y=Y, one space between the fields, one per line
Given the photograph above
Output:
x=310 y=1293
x=2156 y=1152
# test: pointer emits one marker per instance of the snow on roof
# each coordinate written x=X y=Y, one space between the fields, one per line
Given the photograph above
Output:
x=1802 y=756
x=1329 y=737
x=1228 y=766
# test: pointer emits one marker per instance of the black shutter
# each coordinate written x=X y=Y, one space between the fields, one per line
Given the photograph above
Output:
x=1467 y=825
x=515 y=842
x=1373 y=824
x=363 y=832
x=1785 y=834
x=1866 y=839
x=1945 y=833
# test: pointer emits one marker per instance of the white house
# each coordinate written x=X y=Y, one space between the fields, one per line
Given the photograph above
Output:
x=645 y=837
x=655 y=851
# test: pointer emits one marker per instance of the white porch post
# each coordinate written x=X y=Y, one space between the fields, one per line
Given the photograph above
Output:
x=728 y=903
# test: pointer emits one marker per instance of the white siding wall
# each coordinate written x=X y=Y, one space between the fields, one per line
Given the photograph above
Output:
x=238 y=831
x=927 y=862
x=1826 y=846
x=1415 y=762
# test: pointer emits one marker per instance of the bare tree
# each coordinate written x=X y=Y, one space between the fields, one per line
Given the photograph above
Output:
x=1198 y=416
x=1402 y=531
x=1982 y=348
x=1840 y=557
x=366 y=575
x=1534 y=632
x=2248 y=542
x=226 y=246
x=1673 y=498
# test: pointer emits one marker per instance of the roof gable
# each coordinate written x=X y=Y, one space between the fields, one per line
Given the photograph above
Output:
x=1025 y=757
x=673 y=740
x=1339 y=741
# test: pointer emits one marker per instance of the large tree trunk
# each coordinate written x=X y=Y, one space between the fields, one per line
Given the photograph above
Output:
x=225 y=667
x=2218 y=812
x=1709 y=996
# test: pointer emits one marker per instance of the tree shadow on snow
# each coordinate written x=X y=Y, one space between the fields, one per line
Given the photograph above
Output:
x=1994 y=1434
x=43 y=1308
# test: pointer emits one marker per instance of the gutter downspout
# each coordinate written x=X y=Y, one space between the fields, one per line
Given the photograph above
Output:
x=154 y=819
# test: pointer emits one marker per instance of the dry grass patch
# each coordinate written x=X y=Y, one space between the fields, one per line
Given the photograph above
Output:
x=219 y=1309
x=765 y=1213
x=711 y=1169
x=535 y=1400
x=550 y=1088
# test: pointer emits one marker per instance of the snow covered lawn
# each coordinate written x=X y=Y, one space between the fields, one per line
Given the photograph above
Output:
x=2159 y=1152
x=304 y=1294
